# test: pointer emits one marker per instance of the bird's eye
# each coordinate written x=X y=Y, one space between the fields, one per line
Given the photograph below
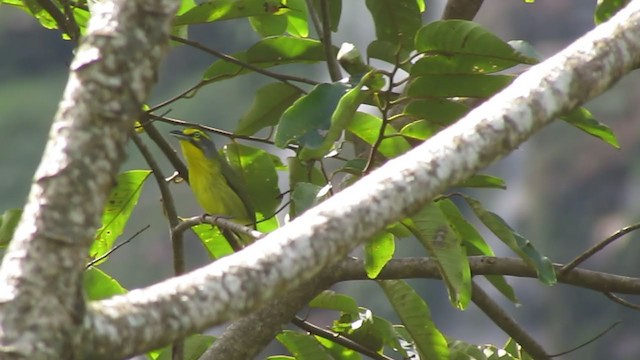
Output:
x=196 y=136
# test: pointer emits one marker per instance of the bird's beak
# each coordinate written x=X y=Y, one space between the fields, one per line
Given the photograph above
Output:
x=178 y=134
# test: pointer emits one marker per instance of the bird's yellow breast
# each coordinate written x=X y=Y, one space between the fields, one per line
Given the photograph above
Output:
x=210 y=187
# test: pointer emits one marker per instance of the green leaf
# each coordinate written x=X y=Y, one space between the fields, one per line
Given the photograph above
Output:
x=259 y=174
x=269 y=25
x=303 y=346
x=396 y=21
x=606 y=9
x=463 y=47
x=584 y=120
x=367 y=127
x=474 y=243
x=213 y=241
x=269 y=52
x=354 y=167
x=120 y=204
x=419 y=130
x=436 y=111
x=302 y=171
x=217 y=245
x=329 y=299
x=8 y=223
x=372 y=332
x=445 y=245
x=483 y=181
x=377 y=253
x=462 y=85
x=520 y=245
x=416 y=317
x=304 y=197
x=339 y=120
x=98 y=285
x=297 y=24
x=306 y=122
x=194 y=347
x=270 y=103
x=337 y=351
x=216 y=10
x=389 y=52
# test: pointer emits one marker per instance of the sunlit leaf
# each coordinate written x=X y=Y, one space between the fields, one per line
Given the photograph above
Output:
x=120 y=204
x=331 y=300
x=377 y=253
x=367 y=127
x=216 y=10
x=297 y=24
x=303 y=346
x=416 y=317
x=194 y=347
x=584 y=120
x=605 y=9
x=337 y=351
x=98 y=285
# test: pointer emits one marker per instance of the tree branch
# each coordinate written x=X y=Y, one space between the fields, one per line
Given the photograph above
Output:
x=41 y=273
x=507 y=323
x=295 y=253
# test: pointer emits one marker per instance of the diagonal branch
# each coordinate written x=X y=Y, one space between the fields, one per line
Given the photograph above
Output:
x=295 y=253
x=110 y=78
x=507 y=323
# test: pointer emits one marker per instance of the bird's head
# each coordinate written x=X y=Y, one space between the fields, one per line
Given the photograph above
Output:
x=193 y=139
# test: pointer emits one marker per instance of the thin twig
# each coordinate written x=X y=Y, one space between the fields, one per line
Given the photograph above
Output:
x=385 y=120
x=323 y=28
x=596 y=248
x=228 y=134
x=186 y=94
x=228 y=58
x=618 y=300
x=506 y=323
x=113 y=249
x=588 y=342
x=337 y=338
x=220 y=221
x=177 y=242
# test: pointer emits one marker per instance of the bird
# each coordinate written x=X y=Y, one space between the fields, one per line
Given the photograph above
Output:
x=217 y=187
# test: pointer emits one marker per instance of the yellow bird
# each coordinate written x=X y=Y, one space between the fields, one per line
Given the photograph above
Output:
x=215 y=184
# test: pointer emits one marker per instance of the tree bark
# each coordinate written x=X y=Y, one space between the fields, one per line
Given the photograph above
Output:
x=42 y=307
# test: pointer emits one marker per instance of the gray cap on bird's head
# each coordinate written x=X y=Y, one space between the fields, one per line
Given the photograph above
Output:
x=197 y=138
